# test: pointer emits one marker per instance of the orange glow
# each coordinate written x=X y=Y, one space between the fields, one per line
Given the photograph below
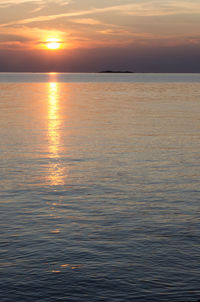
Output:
x=53 y=44
x=57 y=173
x=55 y=231
x=64 y=265
x=53 y=118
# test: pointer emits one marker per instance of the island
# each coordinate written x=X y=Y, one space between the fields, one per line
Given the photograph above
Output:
x=113 y=71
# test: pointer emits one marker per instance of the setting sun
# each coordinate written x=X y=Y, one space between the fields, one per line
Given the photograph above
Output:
x=53 y=44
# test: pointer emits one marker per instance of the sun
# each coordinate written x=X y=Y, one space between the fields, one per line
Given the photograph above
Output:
x=53 y=44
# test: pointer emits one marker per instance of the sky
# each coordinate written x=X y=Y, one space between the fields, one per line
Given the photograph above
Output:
x=136 y=35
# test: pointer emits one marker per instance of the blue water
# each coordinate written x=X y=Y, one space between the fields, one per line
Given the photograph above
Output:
x=99 y=178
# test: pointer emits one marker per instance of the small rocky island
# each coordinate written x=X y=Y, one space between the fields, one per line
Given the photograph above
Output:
x=113 y=71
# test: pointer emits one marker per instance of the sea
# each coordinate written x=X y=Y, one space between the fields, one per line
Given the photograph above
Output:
x=99 y=187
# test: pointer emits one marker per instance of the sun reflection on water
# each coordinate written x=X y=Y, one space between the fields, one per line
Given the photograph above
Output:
x=53 y=120
x=57 y=172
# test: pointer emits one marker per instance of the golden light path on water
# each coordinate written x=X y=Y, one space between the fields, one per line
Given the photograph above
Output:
x=53 y=119
x=57 y=173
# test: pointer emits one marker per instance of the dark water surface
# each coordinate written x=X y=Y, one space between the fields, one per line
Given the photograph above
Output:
x=99 y=178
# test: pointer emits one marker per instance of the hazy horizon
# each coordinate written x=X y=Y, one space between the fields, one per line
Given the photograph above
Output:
x=96 y=72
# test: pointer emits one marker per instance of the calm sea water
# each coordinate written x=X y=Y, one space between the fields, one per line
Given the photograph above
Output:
x=99 y=178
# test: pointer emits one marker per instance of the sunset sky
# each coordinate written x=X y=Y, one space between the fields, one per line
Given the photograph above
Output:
x=139 y=35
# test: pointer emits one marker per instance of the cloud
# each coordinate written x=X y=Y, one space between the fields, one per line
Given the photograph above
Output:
x=88 y=21
x=83 y=23
x=16 y=2
x=156 y=8
x=145 y=8
x=13 y=38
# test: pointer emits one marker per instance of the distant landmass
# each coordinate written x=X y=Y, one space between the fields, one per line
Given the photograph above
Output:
x=116 y=71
